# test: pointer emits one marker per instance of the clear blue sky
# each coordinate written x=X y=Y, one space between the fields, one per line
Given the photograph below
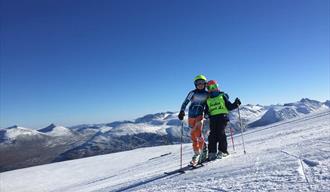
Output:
x=71 y=62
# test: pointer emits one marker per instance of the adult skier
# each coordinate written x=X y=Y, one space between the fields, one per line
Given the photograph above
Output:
x=217 y=108
x=197 y=99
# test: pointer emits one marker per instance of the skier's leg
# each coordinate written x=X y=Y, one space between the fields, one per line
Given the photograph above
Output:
x=192 y=122
x=194 y=138
x=201 y=141
x=212 y=146
x=223 y=145
x=217 y=130
x=199 y=127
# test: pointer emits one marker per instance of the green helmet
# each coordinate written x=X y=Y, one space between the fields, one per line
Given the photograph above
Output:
x=198 y=77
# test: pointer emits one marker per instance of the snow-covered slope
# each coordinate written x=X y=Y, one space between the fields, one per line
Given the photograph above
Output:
x=292 y=155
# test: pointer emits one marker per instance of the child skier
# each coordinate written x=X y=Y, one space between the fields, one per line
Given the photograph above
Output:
x=197 y=99
x=217 y=108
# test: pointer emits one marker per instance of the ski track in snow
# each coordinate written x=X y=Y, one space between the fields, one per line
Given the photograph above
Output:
x=287 y=156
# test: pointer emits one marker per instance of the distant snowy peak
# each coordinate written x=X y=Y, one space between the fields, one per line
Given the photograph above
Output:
x=12 y=133
x=156 y=119
x=132 y=129
x=117 y=123
x=327 y=103
x=151 y=123
x=54 y=130
x=306 y=102
x=104 y=129
x=306 y=105
x=310 y=101
x=280 y=113
x=249 y=113
x=276 y=113
x=251 y=108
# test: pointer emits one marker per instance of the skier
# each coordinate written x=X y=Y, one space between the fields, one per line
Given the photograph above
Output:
x=217 y=108
x=197 y=99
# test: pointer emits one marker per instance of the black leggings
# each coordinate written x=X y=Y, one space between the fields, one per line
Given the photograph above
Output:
x=217 y=135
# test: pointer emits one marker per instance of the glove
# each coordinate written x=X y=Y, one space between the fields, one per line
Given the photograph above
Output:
x=181 y=115
x=237 y=101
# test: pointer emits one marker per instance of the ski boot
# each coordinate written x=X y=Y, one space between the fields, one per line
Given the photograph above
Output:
x=212 y=157
x=225 y=154
x=204 y=155
x=195 y=160
x=219 y=155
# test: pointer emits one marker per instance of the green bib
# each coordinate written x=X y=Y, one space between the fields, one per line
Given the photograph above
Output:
x=217 y=105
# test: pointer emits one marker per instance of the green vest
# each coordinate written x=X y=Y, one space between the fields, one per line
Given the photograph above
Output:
x=217 y=105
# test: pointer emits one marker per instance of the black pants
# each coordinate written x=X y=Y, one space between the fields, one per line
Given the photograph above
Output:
x=217 y=135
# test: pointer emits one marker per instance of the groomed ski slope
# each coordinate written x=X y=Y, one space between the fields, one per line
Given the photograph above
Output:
x=288 y=156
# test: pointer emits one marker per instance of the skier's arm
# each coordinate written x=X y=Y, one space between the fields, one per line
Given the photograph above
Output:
x=186 y=101
x=206 y=112
x=230 y=106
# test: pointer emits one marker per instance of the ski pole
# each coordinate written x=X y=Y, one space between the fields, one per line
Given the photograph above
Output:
x=240 y=121
x=232 y=138
x=181 y=144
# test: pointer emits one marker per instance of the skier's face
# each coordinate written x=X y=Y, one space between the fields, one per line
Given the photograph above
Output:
x=200 y=85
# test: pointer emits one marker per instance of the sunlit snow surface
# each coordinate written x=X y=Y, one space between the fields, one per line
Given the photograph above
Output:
x=292 y=155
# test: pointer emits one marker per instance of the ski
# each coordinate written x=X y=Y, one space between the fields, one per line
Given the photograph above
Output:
x=190 y=167
x=184 y=169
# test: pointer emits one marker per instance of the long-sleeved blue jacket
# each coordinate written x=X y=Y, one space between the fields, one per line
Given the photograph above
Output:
x=197 y=99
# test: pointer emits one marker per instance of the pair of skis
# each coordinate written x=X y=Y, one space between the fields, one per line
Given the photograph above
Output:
x=190 y=167
x=186 y=168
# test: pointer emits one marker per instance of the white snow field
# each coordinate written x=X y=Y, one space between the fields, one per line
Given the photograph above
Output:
x=293 y=155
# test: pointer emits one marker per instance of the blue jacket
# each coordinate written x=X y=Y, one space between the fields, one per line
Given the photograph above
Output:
x=197 y=99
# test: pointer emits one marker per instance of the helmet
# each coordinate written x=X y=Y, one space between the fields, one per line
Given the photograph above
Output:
x=212 y=85
x=200 y=79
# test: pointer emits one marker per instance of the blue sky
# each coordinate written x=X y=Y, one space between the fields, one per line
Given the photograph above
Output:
x=71 y=62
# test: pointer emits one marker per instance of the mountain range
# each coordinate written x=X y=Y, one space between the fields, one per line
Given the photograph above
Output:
x=291 y=155
x=24 y=147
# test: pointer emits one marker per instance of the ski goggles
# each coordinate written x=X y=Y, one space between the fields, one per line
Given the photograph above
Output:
x=212 y=87
x=200 y=82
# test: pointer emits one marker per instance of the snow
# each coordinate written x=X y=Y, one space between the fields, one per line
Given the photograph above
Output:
x=12 y=133
x=56 y=131
x=104 y=129
x=291 y=155
x=60 y=131
x=132 y=128
x=250 y=112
